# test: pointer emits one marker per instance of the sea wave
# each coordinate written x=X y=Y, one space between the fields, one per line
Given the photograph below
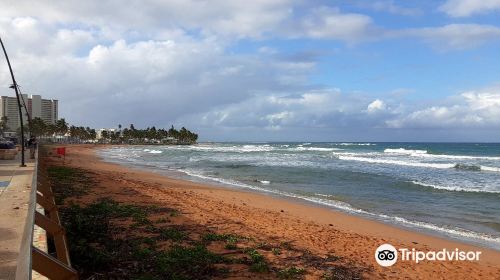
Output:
x=233 y=149
x=454 y=188
x=405 y=151
x=315 y=149
x=473 y=167
x=489 y=168
x=398 y=162
x=153 y=151
x=426 y=154
x=355 y=144
x=439 y=165
x=454 y=232
x=458 y=157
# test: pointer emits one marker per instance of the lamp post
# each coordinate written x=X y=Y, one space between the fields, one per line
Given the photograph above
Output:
x=14 y=84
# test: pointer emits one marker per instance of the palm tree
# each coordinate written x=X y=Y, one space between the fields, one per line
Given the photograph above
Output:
x=61 y=126
x=38 y=127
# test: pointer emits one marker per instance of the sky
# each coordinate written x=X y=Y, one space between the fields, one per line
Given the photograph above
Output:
x=264 y=70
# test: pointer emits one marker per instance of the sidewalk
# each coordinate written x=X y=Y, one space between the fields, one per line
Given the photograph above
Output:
x=15 y=188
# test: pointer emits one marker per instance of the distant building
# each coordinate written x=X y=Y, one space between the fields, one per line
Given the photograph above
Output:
x=46 y=109
x=99 y=132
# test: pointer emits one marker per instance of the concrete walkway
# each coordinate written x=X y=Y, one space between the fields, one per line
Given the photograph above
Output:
x=15 y=188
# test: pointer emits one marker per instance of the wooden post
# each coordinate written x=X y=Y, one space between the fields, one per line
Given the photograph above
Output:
x=50 y=267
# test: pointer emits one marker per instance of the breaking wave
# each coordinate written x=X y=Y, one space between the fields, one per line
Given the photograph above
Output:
x=398 y=162
x=405 y=151
x=453 y=188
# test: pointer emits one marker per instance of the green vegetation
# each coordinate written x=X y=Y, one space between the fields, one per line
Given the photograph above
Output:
x=151 y=135
x=181 y=262
x=231 y=242
x=230 y=239
x=95 y=246
x=291 y=273
x=258 y=262
x=71 y=182
x=132 y=135
x=171 y=234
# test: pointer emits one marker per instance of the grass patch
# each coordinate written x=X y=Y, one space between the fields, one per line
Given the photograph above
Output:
x=291 y=273
x=188 y=263
x=287 y=245
x=162 y=220
x=171 y=234
x=341 y=273
x=211 y=236
x=258 y=262
x=230 y=239
x=68 y=182
x=174 y=213
x=231 y=242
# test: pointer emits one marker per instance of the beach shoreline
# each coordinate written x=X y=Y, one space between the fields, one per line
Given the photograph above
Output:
x=319 y=229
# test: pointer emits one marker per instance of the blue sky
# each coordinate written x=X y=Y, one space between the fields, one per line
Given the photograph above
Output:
x=266 y=70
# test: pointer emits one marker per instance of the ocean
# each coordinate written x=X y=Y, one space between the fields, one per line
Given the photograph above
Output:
x=445 y=189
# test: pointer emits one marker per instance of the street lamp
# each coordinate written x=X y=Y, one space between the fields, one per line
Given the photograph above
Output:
x=14 y=85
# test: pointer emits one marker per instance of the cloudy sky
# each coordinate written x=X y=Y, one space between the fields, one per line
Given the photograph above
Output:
x=265 y=69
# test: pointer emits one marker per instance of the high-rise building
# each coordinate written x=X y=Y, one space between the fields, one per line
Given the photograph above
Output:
x=46 y=109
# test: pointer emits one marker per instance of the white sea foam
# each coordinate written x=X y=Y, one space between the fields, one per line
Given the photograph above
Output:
x=454 y=188
x=315 y=149
x=490 y=169
x=398 y=162
x=460 y=157
x=457 y=232
x=233 y=149
x=324 y=195
x=355 y=144
x=264 y=182
x=155 y=152
x=405 y=151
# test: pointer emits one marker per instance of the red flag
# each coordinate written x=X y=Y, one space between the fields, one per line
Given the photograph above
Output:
x=61 y=151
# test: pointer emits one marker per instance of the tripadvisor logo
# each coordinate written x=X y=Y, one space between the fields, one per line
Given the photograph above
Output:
x=387 y=255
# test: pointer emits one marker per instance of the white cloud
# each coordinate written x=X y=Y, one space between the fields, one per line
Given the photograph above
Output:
x=237 y=18
x=451 y=36
x=317 y=108
x=331 y=109
x=390 y=7
x=474 y=109
x=330 y=23
x=140 y=82
x=465 y=8
x=375 y=106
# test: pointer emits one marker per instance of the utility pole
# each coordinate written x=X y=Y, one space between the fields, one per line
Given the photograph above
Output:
x=14 y=84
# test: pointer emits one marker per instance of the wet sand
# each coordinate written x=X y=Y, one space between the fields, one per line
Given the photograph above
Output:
x=323 y=232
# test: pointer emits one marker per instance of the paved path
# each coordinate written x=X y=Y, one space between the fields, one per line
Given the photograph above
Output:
x=14 y=199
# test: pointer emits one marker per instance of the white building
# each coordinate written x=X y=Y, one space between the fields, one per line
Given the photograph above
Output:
x=46 y=109
x=99 y=132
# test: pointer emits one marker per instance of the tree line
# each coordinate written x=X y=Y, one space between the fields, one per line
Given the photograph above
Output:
x=151 y=135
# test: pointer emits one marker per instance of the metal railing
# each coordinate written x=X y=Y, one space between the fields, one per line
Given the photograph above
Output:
x=30 y=257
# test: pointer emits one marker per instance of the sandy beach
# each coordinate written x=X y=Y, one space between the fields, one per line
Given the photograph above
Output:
x=319 y=231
